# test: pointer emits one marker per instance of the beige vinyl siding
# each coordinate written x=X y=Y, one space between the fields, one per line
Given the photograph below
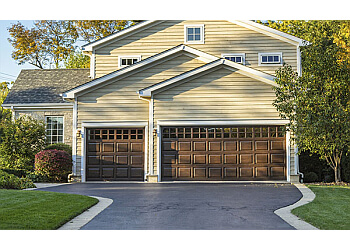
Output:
x=219 y=95
x=220 y=37
x=119 y=100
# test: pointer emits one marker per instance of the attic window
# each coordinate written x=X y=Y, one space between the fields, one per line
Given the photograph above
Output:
x=237 y=58
x=194 y=34
x=125 y=61
x=270 y=58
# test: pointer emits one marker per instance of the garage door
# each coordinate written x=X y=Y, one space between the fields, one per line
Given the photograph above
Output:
x=115 y=154
x=223 y=153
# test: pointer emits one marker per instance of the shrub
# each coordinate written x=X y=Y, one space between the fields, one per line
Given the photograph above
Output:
x=21 y=139
x=310 y=177
x=60 y=146
x=10 y=181
x=53 y=164
x=17 y=172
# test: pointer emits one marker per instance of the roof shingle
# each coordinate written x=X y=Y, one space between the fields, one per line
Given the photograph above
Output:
x=45 y=85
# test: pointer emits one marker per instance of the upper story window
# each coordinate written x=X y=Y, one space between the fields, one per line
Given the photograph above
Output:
x=270 y=58
x=128 y=60
x=54 y=129
x=237 y=58
x=194 y=34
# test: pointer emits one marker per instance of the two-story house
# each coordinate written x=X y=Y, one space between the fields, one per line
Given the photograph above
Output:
x=168 y=101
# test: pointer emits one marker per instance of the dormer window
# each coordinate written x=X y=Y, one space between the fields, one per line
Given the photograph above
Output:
x=194 y=34
x=237 y=57
x=270 y=58
x=125 y=61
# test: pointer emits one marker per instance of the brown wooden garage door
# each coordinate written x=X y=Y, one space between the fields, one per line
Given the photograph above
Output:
x=223 y=153
x=115 y=154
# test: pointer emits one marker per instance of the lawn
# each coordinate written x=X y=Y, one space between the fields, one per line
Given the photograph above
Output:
x=39 y=210
x=330 y=209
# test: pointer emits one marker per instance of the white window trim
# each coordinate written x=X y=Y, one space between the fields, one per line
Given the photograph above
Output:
x=235 y=54
x=138 y=57
x=201 y=26
x=270 y=54
x=62 y=129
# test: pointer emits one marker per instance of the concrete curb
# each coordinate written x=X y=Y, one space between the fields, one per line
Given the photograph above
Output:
x=46 y=185
x=294 y=221
x=82 y=219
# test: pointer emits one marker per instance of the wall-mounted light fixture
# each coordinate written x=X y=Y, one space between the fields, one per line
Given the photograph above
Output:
x=78 y=133
x=155 y=132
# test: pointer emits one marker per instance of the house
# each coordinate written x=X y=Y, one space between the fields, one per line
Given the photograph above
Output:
x=170 y=101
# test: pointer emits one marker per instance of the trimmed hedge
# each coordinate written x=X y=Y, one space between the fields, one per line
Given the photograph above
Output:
x=55 y=165
x=10 y=181
x=60 y=146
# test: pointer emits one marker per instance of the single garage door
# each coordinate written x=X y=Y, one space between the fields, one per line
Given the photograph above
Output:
x=115 y=154
x=223 y=153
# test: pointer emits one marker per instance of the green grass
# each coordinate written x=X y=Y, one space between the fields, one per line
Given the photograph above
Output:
x=330 y=210
x=39 y=210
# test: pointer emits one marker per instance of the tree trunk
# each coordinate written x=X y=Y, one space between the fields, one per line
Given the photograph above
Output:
x=337 y=174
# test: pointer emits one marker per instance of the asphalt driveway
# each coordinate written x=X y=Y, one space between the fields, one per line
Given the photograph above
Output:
x=212 y=206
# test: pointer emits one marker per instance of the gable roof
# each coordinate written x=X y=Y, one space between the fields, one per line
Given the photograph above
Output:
x=258 y=75
x=247 y=24
x=44 y=85
x=201 y=56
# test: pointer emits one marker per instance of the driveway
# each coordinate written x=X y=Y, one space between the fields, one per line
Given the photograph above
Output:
x=161 y=206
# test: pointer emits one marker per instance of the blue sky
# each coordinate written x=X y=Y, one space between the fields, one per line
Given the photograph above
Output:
x=9 y=69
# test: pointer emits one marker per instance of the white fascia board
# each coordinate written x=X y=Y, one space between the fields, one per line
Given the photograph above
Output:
x=90 y=46
x=39 y=105
x=201 y=56
x=270 y=32
x=229 y=122
x=244 y=70
x=256 y=74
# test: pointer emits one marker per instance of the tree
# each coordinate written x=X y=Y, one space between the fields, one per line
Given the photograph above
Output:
x=28 y=45
x=77 y=60
x=5 y=114
x=91 y=30
x=54 y=40
x=318 y=102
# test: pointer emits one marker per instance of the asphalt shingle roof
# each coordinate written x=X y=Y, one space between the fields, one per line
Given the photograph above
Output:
x=45 y=85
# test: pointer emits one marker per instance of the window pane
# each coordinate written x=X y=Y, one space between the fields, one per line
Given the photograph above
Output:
x=190 y=31
x=276 y=58
x=197 y=31
x=270 y=58
x=190 y=37
x=197 y=37
x=264 y=58
x=123 y=61
x=238 y=59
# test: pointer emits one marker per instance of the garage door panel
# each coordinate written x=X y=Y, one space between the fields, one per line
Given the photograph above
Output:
x=184 y=172
x=199 y=172
x=223 y=153
x=184 y=159
x=115 y=154
x=199 y=146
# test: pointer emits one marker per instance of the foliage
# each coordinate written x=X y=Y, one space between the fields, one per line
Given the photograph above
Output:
x=15 y=171
x=91 y=30
x=53 y=41
x=10 y=181
x=40 y=210
x=21 y=140
x=53 y=164
x=310 y=177
x=318 y=102
x=60 y=146
x=77 y=60
x=5 y=114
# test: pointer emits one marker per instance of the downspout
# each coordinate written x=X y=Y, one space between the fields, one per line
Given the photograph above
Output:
x=296 y=150
x=150 y=135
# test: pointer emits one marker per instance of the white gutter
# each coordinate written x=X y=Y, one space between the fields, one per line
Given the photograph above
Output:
x=38 y=105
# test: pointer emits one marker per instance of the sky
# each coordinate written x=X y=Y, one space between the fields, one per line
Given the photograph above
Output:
x=9 y=69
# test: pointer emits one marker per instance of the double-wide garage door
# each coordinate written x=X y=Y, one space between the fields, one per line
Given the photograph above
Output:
x=115 y=154
x=223 y=153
